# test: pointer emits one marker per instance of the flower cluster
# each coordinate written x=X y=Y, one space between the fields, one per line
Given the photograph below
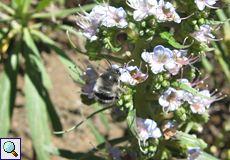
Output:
x=163 y=11
x=199 y=102
x=147 y=128
x=166 y=99
x=108 y=16
x=163 y=58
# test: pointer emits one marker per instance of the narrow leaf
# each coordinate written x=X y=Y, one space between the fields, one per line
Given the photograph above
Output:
x=206 y=156
x=65 y=12
x=37 y=58
x=8 y=90
x=167 y=36
x=7 y=9
x=207 y=65
x=42 y=5
x=25 y=5
x=36 y=108
x=189 y=89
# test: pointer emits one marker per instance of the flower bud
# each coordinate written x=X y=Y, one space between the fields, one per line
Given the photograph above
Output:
x=201 y=21
x=165 y=83
x=143 y=24
x=180 y=115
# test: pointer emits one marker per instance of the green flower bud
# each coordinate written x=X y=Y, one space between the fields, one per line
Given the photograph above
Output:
x=199 y=118
x=194 y=22
x=143 y=24
x=165 y=83
x=142 y=33
x=180 y=115
x=157 y=86
x=148 y=39
x=196 y=28
x=201 y=21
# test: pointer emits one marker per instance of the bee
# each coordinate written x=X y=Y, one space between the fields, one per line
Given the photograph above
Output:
x=108 y=86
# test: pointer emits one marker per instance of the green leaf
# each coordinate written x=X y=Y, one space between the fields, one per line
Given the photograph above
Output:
x=207 y=65
x=8 y=90
x=188 y=139
x=65 y=12
x=189 y=89
x=42 y=4
x=7 y=9
x=132 y=124
x=36 y=57
x=36 y=108
x=206 y=156
x=54 y=118
x=15 y=3
x=167 y=36
x=25 y=5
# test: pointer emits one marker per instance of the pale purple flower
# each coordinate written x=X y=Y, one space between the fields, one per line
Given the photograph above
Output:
x=143 y=8
x=115 y=153
x=179 y=56
x=204 y=34
x=171 y=99
x=90 y=22
x=202 y=3
x=200 y=104
x=115 y=17
x=89 y=77
x=147 y=128
x=166 y=12
x=158 y=59
x=132 y=75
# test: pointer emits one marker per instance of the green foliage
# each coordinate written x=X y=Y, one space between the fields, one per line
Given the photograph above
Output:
x=19 y=33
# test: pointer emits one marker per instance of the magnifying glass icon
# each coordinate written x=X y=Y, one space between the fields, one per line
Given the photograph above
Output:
x=9 y=147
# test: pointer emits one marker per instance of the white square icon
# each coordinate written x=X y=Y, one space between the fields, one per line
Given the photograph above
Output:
x=10 y=148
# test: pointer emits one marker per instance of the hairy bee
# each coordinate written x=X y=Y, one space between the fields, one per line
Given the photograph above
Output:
x=108 y=86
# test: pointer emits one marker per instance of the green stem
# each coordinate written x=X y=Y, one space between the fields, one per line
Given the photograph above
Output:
x=131 y=33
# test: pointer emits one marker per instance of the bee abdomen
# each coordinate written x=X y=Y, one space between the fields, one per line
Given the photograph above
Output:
x=104 y=98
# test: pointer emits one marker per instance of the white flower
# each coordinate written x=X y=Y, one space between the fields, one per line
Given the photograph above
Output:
x=204 y=35
x=115 y=17
x=147 y=128
x=89 y=22
x=143 y=8
x=202 y=3
x=166 y=12
x=132 y=75
x=171 y=99
x=158 y=59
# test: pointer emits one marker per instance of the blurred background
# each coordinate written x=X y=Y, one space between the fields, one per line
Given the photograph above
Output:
x=19 y=40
